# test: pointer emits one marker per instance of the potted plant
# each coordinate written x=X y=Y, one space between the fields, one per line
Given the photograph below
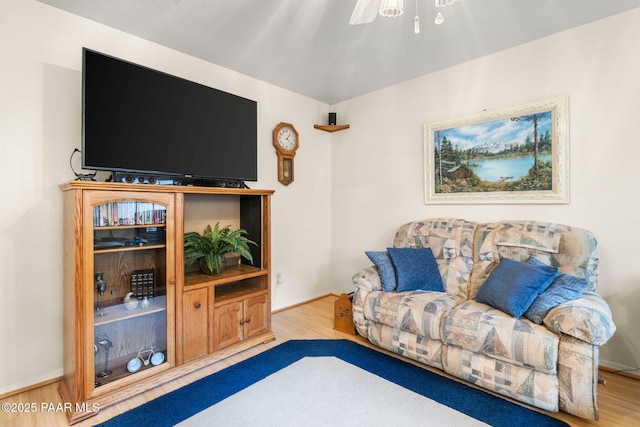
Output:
x=210 y=247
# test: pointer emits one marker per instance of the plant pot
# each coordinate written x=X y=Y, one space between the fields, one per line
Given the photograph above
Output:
x=205 y=268
x=231 y=259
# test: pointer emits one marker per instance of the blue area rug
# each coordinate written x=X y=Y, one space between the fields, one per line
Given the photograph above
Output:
x=180 y=404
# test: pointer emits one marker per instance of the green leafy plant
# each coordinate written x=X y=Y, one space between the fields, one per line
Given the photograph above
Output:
x=211 y=246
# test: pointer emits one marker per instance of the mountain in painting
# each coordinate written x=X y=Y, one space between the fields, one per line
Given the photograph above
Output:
x=492 y=147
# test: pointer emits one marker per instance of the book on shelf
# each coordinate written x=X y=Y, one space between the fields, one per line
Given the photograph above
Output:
x=129 y=213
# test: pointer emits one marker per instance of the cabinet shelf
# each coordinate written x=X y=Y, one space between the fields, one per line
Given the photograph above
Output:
x=128 y=248
x=123 y=227
x=229 y=275
x=116 y=313
x=331 y=128
x=120 y=372
x=237 y=291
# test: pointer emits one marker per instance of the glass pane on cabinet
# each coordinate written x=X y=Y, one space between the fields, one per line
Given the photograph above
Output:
x=130 y=305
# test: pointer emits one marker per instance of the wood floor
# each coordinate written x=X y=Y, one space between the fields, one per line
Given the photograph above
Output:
x=618 y=399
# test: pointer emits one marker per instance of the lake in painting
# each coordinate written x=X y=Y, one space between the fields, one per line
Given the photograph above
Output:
x=507 y=168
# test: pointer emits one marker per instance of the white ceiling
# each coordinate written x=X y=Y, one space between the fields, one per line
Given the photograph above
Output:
x=308 y=46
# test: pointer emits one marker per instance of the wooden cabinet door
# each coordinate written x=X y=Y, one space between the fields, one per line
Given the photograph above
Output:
x=195 y=327
x=121 y=217
x=227 y=325
x=256 y=316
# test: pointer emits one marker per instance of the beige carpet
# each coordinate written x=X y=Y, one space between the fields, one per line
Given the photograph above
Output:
x=326 y=391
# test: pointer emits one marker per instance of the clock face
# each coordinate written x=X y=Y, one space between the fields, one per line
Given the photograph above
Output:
x=286 y=138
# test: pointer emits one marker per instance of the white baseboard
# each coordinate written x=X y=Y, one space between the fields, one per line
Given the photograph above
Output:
x=30 y=383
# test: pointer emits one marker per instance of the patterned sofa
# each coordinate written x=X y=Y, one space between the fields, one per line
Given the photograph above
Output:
x=552 y=365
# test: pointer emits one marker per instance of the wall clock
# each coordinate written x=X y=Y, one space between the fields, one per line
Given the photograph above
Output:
x=285 y=139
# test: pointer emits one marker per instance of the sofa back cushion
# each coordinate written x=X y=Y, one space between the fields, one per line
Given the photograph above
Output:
x=450 y=241
x=572 y=250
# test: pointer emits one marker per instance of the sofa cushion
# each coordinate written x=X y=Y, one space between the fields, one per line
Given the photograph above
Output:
x=564 y=287
x=512 y=286
x=451 y=241
x=480 y=328
x=573 y=250
x=418 y=312
x=416 y=269
x=385 y=269
x=539 y=236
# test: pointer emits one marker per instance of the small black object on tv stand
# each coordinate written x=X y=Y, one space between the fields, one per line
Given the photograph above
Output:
x=201 y=182
x=141 y=178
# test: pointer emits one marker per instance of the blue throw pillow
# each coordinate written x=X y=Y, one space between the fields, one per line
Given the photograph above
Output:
x=564 y=288
x=416 y=269
x=385 y=269
x=512 y=286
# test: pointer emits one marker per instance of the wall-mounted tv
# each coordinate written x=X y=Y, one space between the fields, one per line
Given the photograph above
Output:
x=142 y=121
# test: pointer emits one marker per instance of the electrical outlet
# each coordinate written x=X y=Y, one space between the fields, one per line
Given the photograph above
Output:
x=278 y=278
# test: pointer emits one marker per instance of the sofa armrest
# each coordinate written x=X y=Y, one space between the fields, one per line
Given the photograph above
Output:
x=587 y=318
x=368 y=279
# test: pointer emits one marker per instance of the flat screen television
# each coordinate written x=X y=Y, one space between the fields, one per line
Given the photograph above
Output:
x=141 y=121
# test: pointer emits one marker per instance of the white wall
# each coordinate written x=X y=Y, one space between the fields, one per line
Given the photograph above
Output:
x=40 y=121
x=377 y=166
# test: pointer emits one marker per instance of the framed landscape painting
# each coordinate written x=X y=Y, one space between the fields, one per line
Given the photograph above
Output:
x=515 y=155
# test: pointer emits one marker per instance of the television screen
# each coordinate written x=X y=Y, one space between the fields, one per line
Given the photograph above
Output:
x=139 y=120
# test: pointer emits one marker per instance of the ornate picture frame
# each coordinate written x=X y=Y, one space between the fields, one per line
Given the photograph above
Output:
x=516 y=155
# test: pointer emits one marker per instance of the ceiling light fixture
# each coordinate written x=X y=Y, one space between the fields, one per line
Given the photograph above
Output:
x=365 y=11
x=442 y=3
x=391 y=8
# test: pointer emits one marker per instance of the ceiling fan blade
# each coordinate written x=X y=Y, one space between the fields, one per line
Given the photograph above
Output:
x=364 y=12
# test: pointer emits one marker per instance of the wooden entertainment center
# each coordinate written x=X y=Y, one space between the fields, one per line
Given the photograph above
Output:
x=128 y=238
